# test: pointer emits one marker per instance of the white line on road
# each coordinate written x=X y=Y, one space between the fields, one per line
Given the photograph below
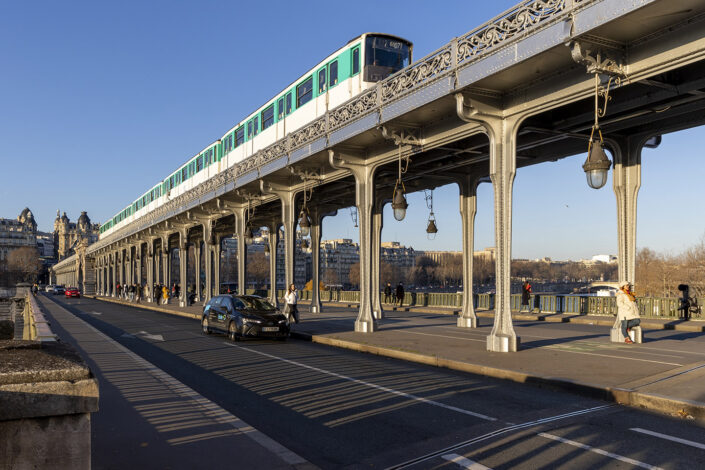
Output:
x=465 y=463
x=670 y=438
x=368 y=384
x=622 y=458
x=496 y=433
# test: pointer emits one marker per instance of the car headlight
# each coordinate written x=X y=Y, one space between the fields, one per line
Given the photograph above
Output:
x=251 y=320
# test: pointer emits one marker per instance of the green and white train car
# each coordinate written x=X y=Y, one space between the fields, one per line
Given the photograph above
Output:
x=345 y=73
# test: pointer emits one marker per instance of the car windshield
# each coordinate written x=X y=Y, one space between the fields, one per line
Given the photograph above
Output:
x=255 y=303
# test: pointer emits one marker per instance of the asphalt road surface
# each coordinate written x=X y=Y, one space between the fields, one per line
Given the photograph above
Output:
x=303 y=405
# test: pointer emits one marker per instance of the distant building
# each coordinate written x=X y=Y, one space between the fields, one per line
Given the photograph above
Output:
x=337 y=256
x=440 y=257
x=397 y=254
x=45 y=245
x=67 y=234
x=17 y=233
x=604 y=259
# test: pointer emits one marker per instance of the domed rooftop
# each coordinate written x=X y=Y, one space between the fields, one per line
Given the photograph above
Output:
x=84 y=220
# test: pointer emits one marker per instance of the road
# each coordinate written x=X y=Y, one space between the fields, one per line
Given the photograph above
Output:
x=262 y=404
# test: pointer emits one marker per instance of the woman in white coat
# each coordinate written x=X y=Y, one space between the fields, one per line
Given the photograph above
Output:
x=627 y=310
x=291 y=298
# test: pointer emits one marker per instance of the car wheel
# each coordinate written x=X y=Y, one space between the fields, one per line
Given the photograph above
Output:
x=205 y=327
x=232 y=332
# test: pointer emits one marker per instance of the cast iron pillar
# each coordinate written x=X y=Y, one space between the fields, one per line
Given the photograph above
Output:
x=501 y=131
x=197 y=270
x=317 y=216
x=377 y=224
x=364 y=200
x=240 y=228
x=138 y=264
x=216 y=266
x=208 y=253
x=626 y=181
x=468 y=209
x=273 y=242
x=150 y=270
x=183 y=266
x=286 y=197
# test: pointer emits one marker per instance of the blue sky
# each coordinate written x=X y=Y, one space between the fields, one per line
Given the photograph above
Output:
x=100 y=100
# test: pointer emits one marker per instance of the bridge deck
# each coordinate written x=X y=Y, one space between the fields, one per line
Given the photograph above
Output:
x=664 y=373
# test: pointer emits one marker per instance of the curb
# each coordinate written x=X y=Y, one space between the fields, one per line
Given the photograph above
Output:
x=627 y=397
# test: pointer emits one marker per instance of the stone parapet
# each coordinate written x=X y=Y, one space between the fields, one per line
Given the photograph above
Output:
x=47 y=394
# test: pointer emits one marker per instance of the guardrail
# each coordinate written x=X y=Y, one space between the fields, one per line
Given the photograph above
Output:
x=649 y=307
x=36 y=326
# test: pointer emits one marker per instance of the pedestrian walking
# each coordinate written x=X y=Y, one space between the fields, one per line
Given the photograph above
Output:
x=118 y=289
x=138 y=293
x=400 y=293
x=291 y=299
x=156 y=292
x=525 y=295
x=627 y=310
x=165 y=295
x=131 y=293
x=388 y=293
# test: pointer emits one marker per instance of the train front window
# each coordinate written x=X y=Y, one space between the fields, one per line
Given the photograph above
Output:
x=385 y=56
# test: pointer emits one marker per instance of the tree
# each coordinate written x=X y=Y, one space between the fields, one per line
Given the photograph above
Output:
x=25 y=263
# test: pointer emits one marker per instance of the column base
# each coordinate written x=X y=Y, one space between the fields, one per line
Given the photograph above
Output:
x=503 y=343
x=365 y=326
x=182 y=303
x=316 y=308
x=378 y=315
x=467 y=322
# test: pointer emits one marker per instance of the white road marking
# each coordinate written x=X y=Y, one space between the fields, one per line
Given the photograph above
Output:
x=152 y=337
x=465 y=463
x=496 y=433
x=670 y=438
x=368 y=384
x=95 y=313
x=126 y=335
x=622 y=458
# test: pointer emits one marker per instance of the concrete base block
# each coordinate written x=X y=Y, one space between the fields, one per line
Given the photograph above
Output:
x=363 y=326
x=503 y=343
x=636 y=335
x=467 y=322
x=378 y=315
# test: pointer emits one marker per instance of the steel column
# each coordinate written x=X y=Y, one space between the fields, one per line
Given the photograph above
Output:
x=468 y=209
x=273 y=241
x=364 y=200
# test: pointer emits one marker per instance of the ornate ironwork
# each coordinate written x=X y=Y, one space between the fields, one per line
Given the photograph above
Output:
x=419 y=73
x=308 y=133
x=353 y=109
x=506 y=27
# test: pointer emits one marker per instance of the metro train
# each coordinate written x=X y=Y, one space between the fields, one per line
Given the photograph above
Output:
x=345 y=73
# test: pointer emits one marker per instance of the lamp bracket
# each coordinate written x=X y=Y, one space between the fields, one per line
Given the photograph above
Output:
x=597 y=62
x=401 y=137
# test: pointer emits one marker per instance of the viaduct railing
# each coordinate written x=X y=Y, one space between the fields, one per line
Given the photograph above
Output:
x=649 y=307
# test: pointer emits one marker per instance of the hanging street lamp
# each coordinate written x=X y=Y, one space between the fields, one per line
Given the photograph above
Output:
x=598 y=164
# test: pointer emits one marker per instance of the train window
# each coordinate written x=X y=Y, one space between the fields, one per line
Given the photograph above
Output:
x=184 y=174
x=384 y=56
x=322 y=80
x=288 y=103
x=249 y=129
x=255 y=124
x=230 y=142
x=239 y=136
x=192 y=169
x=199 y=164
x=356 y=61
x=304 y=92
x=268 y=117
x=280 y=108
x=211 y=155
x=333 y=74
x=171 y=182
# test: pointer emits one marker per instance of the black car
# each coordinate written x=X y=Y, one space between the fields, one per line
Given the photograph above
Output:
x=241 y=316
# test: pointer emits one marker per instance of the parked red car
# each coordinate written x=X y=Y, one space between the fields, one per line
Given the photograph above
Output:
x=72 y=292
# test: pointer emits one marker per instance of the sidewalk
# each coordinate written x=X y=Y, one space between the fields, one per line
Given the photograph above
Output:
x=573 y=353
